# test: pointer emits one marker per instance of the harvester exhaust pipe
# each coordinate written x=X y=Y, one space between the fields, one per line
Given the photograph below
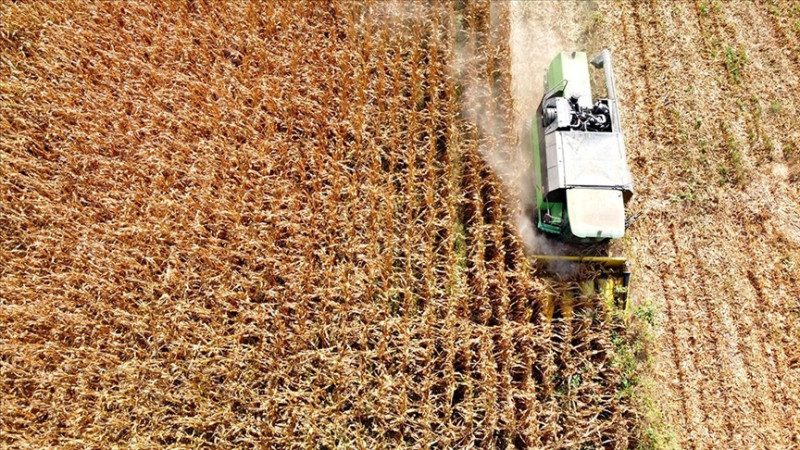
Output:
x=603 y=61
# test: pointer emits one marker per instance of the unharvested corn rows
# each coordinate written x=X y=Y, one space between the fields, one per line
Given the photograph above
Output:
x=269 y=223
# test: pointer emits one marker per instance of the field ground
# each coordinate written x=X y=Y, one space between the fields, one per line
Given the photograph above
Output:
x=297 y=224
x=709 y=89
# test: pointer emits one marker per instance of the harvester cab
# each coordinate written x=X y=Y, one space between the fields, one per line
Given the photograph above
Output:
x=582 y=177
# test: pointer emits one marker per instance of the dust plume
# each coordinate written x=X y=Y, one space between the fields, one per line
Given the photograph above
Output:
x=505 y=146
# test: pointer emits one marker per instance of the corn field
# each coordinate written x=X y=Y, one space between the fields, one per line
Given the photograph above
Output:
x=269 y=224
x=273 y=224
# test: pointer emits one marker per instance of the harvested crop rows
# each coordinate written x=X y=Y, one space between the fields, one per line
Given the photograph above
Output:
x=708 y=94
x=238 y=224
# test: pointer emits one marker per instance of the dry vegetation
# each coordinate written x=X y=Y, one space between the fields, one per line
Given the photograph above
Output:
x=269 y=223
x=710 y=94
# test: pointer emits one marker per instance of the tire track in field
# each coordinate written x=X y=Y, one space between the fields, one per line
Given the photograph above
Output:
x=743 y=336
x=782 y=30
x=677 y=314
x=786 y=381
x=647 y=132
x=733 y=65
x=778 y=338
x=635 y=68
x=714 y=388
x=748 y=389
x=638 y=82
x=703 y=328
x=710 y=390
x=772 y=52
x=760 y=397
x=750 y=37
x=684 y=340
x=728 y=325
x=758 y=323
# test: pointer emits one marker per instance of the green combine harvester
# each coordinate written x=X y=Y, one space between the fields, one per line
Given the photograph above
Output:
x=579 y=154
x=582 y=177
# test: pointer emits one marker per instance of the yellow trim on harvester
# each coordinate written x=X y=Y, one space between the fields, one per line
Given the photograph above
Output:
x=610 y=261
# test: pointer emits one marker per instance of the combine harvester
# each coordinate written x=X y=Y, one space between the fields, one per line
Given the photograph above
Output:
x=583 y=181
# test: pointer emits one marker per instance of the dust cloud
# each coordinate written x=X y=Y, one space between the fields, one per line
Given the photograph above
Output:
x=534 y=41
x=533 y=45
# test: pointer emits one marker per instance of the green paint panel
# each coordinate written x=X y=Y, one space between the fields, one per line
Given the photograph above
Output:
x=573 y=67
x=537 y=159
x=556 y=212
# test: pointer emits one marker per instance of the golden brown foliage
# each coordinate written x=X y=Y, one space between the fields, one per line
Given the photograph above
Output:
x=717 y=246
x=268 y=223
